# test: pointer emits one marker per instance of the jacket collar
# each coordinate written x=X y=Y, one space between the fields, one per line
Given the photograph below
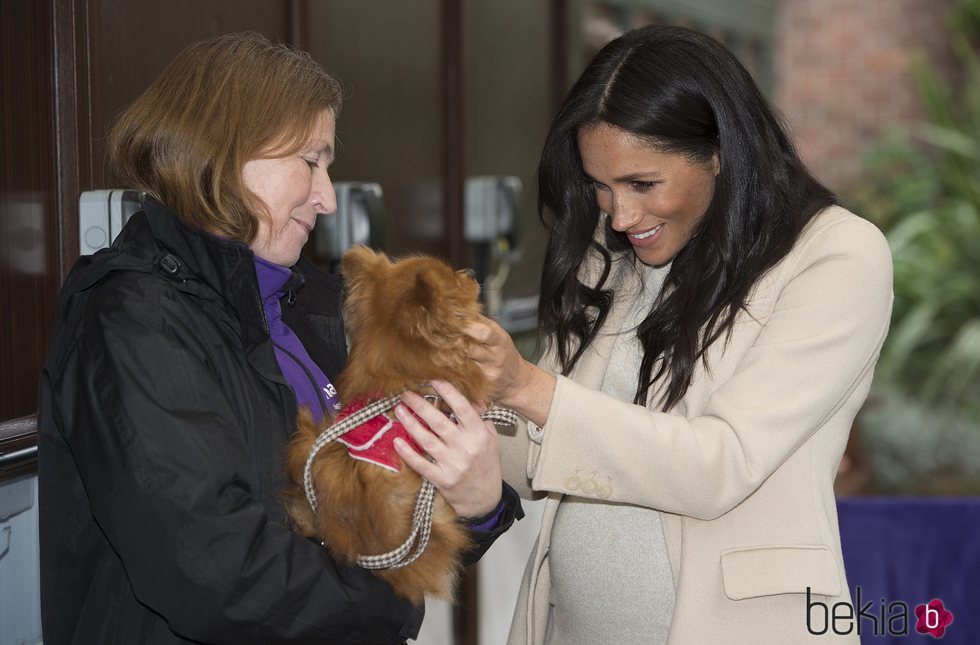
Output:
x=226 y=267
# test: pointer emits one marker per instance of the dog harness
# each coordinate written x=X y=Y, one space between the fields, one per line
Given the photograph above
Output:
x=373 y=440
x=369 y=434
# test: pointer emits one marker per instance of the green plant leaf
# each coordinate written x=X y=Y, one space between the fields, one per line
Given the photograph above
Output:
x=955 y=374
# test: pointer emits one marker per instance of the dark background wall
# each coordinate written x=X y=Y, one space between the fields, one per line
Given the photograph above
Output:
x=425 y=107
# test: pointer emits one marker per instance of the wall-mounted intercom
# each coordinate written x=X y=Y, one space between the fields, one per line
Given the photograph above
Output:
x=490 y=228
x=102 y=214
x=491 y=213
x=358 y=220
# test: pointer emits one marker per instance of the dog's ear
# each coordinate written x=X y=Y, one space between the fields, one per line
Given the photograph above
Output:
x=360 y=262
x=424 y=293
x=363 y=269
x=433 y=306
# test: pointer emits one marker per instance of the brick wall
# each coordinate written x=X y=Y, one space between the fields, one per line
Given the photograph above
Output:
x=842 y=70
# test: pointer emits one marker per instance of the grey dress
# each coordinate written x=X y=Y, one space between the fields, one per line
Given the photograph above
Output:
x=611 y=580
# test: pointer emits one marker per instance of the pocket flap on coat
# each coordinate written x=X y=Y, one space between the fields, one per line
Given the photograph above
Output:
x=771 y=570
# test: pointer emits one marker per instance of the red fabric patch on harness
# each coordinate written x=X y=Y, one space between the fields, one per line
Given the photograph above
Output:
x=374 y=440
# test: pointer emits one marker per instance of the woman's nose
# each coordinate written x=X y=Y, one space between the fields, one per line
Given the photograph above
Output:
x=323 y=195
x=625 y=214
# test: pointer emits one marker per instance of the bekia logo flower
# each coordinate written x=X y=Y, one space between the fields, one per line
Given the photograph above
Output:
x=883 y=618
x=933 y=618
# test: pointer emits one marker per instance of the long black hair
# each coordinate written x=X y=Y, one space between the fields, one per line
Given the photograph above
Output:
x=685 y=93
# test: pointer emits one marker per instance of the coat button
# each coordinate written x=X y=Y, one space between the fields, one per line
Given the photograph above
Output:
x=573 y=482
x=605 y=490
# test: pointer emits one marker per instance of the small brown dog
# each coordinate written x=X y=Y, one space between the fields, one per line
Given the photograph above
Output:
x=405 y=322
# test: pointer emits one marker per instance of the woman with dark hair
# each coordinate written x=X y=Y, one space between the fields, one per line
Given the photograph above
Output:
x=179 y=360
x=713 y=318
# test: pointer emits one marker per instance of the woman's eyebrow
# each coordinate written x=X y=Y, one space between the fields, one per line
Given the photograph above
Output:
x=625 y=179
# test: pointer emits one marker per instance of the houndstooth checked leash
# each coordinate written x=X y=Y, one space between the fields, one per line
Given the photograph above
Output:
x=424 y=500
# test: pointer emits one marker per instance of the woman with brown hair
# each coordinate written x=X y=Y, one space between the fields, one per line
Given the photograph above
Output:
x=179 y=360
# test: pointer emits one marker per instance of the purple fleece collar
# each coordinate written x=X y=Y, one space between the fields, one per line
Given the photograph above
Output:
x=310 y=385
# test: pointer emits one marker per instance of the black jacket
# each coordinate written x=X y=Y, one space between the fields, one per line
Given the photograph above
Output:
x=162 y=421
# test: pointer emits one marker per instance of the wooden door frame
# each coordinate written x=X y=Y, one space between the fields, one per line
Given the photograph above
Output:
x=71 y=35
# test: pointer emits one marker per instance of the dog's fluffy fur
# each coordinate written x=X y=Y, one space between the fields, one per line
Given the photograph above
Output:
x=405 y=322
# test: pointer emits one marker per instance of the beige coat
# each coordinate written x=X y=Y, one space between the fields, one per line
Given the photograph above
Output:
x=742 y=469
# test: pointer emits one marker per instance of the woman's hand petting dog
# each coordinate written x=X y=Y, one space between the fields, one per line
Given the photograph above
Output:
x=464 y=465
x=514 y=382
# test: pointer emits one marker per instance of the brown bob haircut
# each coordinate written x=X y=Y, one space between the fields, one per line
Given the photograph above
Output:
x=218 y=104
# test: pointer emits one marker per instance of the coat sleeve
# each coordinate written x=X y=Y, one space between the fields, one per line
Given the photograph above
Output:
x=171 y=484
x=817 y=346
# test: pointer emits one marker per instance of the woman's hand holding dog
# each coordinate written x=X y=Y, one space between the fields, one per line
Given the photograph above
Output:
x=465 y=458
x=514 y=382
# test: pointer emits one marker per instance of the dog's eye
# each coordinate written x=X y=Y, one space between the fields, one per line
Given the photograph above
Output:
x=469 y=272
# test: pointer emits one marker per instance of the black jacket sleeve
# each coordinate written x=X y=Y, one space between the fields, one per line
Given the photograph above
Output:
x=165 y=462
x=510 y=513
